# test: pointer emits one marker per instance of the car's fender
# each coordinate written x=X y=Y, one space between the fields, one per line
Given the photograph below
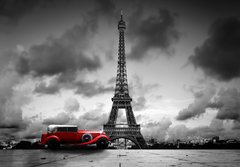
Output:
x=49 y=138
x=95 y=140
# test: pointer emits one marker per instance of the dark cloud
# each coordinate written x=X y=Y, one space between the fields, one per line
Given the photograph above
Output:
x=214 y=105
x=229 y=107
x=154 y=32
x=236 y=125
x=60 y=55
x=43 y=88
x=218 y=56
x=198 y=107
x=226 y=101
x=105 y=8
x=61 y=118
x=64 y=57
x=22 y=64
x=85 y=88
x=66 y=54
x=12 y=10
x=90 y=89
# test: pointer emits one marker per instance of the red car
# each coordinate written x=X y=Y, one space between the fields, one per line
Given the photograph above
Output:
x=69 y=134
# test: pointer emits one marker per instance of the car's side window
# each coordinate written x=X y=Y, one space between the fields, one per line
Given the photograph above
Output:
x=72 y=129
x=62 y=129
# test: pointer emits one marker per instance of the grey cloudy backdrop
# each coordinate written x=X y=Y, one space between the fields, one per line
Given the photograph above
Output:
x=58 y=64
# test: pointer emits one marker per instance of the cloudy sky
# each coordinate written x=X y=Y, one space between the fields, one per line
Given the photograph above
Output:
x=58 y=62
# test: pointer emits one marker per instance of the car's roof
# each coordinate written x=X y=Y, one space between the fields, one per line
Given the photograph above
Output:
x=54 y=126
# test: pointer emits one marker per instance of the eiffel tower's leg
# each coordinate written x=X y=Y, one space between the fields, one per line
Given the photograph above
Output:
x=130 y=116
x=113 y=115
x=141 y=141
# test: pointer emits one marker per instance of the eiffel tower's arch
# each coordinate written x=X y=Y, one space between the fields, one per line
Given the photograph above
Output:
x=131 y=138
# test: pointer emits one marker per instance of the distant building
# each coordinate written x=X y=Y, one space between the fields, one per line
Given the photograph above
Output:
x=215 y=139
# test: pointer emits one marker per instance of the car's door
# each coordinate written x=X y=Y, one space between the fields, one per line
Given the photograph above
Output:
x=73 y=136
x=62 y=134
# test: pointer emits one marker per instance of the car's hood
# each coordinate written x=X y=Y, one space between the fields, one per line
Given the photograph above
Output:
x=90 y=131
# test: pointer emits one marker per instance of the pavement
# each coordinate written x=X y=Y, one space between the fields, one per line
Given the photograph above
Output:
x=118 y=158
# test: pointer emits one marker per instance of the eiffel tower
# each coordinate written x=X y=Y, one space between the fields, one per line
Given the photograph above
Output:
x=122 y=100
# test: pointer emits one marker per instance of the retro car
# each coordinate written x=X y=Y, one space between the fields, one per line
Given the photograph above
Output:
x=57 y=135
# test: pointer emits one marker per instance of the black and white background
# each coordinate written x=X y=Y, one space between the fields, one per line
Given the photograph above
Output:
x=58 y=62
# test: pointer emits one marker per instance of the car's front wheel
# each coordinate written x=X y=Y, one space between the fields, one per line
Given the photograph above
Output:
x=53 y=144
x=102 y=143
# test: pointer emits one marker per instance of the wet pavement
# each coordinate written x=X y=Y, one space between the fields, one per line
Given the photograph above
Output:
x=119 y=158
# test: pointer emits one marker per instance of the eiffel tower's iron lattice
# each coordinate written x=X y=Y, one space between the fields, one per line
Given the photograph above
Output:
x=122 y=100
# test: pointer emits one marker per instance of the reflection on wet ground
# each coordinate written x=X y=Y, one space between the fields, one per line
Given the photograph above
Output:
x=119 y=158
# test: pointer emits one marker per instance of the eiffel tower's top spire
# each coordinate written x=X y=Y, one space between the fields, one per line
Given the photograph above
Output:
x=121 y=14
x=121 y=23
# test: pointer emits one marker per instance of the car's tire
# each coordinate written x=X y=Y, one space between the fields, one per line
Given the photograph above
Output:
x=102 y=143
x=53 y=144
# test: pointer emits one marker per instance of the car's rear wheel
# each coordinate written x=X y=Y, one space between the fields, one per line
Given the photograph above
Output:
x=102 y=143
x=53 y=144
